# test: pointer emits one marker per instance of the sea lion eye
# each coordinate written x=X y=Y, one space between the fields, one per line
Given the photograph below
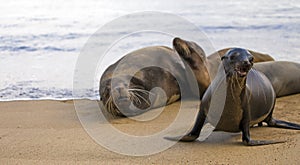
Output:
x=224 y=57
x=251 y=59
x=232 y=57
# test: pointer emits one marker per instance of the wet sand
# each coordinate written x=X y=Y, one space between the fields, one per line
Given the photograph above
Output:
x=49 y=132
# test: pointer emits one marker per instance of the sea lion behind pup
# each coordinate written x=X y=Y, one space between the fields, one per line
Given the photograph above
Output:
x=138 y=90
x=249 y=100
x=284 y=76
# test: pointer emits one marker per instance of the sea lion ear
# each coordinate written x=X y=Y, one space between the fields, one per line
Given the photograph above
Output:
x=181 y=46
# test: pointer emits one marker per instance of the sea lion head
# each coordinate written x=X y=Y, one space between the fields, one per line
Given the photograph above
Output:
x=194 y=55
x=237 y=62
x=124 y=98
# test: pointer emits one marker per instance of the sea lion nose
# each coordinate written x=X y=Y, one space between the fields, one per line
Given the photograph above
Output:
x=121 y=92
x=246 y=64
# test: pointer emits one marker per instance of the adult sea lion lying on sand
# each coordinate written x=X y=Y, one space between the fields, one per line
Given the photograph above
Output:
x=126 y=87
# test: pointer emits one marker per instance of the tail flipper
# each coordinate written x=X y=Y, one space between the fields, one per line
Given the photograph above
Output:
x=283 y=124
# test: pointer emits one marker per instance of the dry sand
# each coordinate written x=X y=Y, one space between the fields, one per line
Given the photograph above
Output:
x=49 y=132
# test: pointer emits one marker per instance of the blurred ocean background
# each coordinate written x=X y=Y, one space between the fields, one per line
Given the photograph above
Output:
x=40 y=40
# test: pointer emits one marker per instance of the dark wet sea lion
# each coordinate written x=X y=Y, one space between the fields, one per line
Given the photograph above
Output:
x=249 y=100
x=278 y=72
x=118 y=89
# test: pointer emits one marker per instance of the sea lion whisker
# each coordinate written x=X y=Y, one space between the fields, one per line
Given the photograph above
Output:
x=239 y=84
x=113 y=110
x=135 y=98
x=136 y=87
x=109 y=105
x=144 y=92
x=141 y=90
x=105 y=105
x=131 y=96
x=143 y=98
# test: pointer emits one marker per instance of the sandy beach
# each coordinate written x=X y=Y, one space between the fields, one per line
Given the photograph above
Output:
x=49 y=132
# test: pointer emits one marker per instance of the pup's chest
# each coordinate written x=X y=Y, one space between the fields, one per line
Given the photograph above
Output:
x=232 y=114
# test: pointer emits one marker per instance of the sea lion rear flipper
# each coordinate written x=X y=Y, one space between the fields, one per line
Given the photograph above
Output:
x=282 y=124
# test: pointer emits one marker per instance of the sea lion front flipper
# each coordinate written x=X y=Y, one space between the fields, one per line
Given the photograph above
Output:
x=244 y=126
x=261 y=142
x=246 y=135
x=282 y=124
x=247 y=141
x=185 y=138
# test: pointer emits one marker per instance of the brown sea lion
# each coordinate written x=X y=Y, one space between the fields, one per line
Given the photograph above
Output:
x=129 y=87
x=278 y=72
x=249 y=100
x=284 y=76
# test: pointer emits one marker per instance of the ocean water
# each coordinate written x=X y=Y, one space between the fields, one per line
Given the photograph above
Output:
x=40 y=41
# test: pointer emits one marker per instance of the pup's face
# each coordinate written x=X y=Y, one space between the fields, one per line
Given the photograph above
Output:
x=237 y=62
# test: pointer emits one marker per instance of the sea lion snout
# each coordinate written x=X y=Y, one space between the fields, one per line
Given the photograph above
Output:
x=239 y=61
x=243 y=67
x=120 y=92
x=125 y=95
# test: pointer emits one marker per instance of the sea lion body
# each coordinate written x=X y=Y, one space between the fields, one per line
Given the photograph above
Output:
x=284 y=76
x=249 y=100
x=260 y=97
x=137 y=89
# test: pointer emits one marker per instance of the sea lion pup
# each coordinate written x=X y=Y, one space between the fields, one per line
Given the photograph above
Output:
x=249 y=100
x=128 y=95
x=278 y=72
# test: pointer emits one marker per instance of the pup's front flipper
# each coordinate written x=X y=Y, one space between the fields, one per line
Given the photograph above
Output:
x=185 y=138
x=261 y=142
